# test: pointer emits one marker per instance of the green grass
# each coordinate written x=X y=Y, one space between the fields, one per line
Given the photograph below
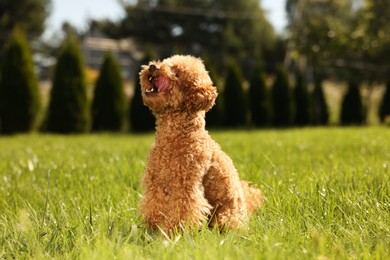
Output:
x=76 y=197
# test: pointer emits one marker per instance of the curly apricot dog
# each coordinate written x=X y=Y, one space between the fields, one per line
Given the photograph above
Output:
x=188 y=178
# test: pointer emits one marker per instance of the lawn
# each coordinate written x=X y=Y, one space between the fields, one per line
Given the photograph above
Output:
x=76 y=197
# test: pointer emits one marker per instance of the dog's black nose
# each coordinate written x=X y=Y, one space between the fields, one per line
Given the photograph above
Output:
x=152 y=68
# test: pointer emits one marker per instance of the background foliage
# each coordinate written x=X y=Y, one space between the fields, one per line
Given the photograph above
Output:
x=259 y=99
x=330 y=42
x=222 y=27
x=19 y=93
x=352 y=107
x=29 y=15
x=108 y=105
x=68 y=110
x=235 y=104
x=303 y=101
x=140 y=116
x=282 y=100
x=385 y=105
x=341 y=38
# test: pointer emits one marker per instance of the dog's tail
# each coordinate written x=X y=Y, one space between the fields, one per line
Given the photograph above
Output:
x=253 y=197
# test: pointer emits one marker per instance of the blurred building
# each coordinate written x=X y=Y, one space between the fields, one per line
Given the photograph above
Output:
x=94 y=48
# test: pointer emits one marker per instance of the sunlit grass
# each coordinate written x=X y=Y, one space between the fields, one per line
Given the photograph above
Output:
x=328 y=192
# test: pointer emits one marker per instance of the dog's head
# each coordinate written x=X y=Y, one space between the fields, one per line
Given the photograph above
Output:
x=178 y=83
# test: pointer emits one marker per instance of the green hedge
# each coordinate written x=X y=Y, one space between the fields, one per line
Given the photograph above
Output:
x=19 y=93
x=259 y=99
x=282 y=100
x=68 y=110
x=108 y=105
x=235 y=105
x=352 y=107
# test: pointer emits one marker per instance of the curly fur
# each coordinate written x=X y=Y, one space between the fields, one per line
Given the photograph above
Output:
x=188 y=178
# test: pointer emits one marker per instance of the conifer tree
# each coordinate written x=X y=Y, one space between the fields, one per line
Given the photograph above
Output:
x=68 y=110
x=19 y=93
x=259 y=99
x=320 y=114
x=302 y=101
x=235 y=106
x=108 y=106
x=215 y=116
x=282 y=101
x=351 y=107
x=384 y=111
x=140 y=117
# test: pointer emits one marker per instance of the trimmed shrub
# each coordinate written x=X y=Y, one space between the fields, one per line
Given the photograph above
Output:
x=140 y=117
x=384 y=110
x=351 y=107
x=235 y=106
x=259 y=99
x=320 y=114
x=108 y=105
x=214 y=117
x=282 y=101
x=302 y=101
x=19 y=92
x=68 y=110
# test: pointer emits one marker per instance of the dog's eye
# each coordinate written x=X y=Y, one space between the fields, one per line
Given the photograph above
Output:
x=177 y=75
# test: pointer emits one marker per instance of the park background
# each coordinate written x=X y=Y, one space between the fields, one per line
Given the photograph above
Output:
x=329 y=65
x=303 y=111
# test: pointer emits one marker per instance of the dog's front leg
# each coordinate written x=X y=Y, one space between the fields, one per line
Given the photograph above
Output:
x=174 y=194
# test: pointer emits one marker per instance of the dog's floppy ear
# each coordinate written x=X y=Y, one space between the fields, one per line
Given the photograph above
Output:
x=201 y=98
x=195 y=83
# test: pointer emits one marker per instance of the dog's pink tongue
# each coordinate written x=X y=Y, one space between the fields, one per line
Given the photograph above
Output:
x=162 y=83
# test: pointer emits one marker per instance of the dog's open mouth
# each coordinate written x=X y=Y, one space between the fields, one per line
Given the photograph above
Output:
x=157 y=84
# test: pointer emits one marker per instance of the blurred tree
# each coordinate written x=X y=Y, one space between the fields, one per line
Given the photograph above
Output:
x=302 y=101
x=30 y=15
x=369 y=46
x=282 y=100
x=259 y=99
x=68 y=29
x=234 y=97
x=319 y=39
x=384 y=111
x=109 y=28
x=369 y=51
x=237 y=28
x=351 y=107
x=68 y=110
x=140 y=117
x=347 y=39
x=108 y=105
x=320 y=111
x=319 y=33
x=275 y=55
x=215 y=116
x=19 y=93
